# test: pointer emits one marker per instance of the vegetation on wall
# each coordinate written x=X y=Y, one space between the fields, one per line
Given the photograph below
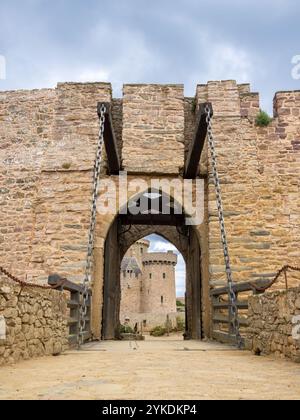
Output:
x=66 y=165
x=263 y=119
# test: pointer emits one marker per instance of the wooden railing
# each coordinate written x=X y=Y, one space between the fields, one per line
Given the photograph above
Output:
x=74 y=304
x=221 y=317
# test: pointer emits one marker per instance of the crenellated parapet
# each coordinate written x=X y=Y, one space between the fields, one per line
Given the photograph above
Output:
x=169 y=258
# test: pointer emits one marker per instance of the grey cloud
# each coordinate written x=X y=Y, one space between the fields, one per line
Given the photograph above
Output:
x=186 y=41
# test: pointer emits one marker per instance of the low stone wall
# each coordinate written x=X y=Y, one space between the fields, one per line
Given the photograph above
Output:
x=32 y=322
x=274 y=324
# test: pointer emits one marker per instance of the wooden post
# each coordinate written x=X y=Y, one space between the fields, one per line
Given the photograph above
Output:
x=74 y=303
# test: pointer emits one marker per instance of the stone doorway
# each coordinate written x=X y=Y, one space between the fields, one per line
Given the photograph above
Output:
x=128 y=229
x=153 y=278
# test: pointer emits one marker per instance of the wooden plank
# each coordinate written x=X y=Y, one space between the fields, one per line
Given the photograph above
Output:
x=225 y=305
x=222 y=319
x=239 y=287
x=73 y=304
x=225 y=338
x=153 y=219
x=55 y=279
x=113 y=158
x=242 y=287
x=196 y=147
x=72 y=321
x=73 y=337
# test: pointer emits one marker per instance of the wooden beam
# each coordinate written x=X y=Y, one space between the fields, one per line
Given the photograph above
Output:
x=113 y=158
x=56 y=279
x=196 y=147
x=222 y=319
x=225 y=338
x=225 y=305
x=153 y=219
x=240 y=287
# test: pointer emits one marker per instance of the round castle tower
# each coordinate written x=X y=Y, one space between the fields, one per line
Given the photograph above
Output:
x=158 y=293
x=138 y=250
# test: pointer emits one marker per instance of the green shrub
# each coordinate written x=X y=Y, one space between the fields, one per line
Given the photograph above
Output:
x=158 y=331
x=178 y=303
x=263 y=119
x=180 y=324
x=126 y=329
x=66 y=165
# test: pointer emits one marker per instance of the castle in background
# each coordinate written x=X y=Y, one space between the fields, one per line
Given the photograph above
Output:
x=148 y=290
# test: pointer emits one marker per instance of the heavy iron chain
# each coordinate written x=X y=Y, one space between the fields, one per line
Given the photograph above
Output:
x=24 y=283
x=232 y=295
x=283 y=270
x=91 y=239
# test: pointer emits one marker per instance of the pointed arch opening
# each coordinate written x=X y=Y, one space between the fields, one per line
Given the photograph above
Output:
x=161 y=215
x=153 y=277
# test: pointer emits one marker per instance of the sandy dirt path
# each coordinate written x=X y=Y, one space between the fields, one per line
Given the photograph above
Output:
x=157 y=369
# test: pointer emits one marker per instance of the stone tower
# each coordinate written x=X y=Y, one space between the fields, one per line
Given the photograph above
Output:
x=148 y=290
x=138 y=250
x=158 y=283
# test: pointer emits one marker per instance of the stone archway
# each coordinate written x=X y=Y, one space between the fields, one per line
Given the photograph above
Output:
x=119 y=239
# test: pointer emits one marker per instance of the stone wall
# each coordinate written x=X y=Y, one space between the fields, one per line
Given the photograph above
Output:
x=259 y=170
x=48 y=139
x=131 y=285
x=26 y=120
x=274 y=324
x=153 y=129
x=33 y=322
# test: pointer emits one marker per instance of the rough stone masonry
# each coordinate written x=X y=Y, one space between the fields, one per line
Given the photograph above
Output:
x=274 y=324
x=48 y=139
x=33 y=322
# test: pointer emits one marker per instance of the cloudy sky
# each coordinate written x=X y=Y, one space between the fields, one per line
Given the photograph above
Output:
x=162 y=41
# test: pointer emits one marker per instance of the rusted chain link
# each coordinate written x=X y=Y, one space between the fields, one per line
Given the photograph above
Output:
x=283 y=270
x=27 y=284
x=91 y=238
x=234 y=319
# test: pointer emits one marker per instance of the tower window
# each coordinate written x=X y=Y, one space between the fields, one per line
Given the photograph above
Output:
x=142 y=250
x=164 y=275
x=162 y=300
x=150 y=275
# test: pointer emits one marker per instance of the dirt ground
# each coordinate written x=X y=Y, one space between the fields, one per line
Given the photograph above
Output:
x=155 y=369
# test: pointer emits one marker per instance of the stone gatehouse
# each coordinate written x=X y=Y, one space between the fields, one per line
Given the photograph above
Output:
x=48 y=140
